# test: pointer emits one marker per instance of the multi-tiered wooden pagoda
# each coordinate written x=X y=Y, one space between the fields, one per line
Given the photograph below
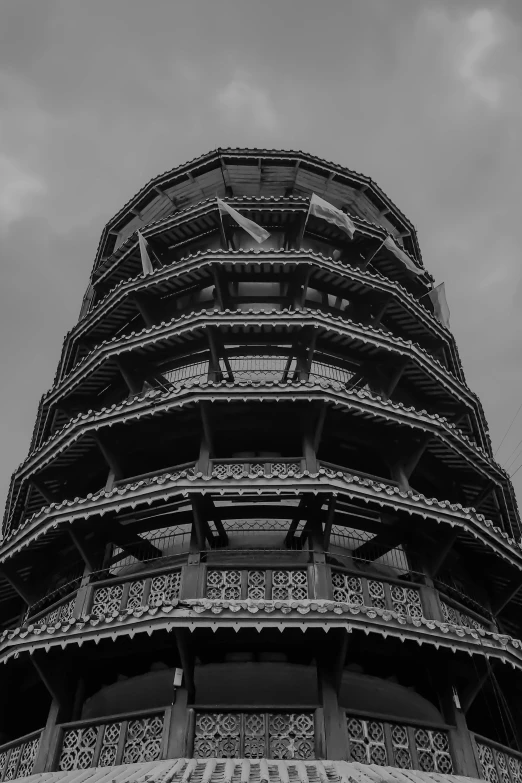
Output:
x=260 y=534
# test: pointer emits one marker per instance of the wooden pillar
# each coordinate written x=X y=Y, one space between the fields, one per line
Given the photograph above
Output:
x=461 y=742
x=319 y=568
x=330 y=664
x=177 y=742
x=48 y=741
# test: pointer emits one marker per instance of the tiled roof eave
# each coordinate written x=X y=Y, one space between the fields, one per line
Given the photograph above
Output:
x=303 y=614
x=165 y=486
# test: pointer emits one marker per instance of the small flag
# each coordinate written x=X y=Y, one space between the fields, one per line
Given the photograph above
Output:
x=440 y=304
x=323 y=209
x=401 y=255
x=256 y=232
x=146 y=263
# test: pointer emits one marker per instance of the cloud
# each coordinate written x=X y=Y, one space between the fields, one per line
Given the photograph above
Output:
x=481 y=36
x=241 y=100
x=18 y=188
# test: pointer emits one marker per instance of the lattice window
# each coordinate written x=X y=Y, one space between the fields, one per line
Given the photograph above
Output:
x=289 y=585
x=78 y=748
x=367 y=741
x=164 y=588
x=406 y=601
x=224 y=584
x=255 y=735
x=135 y=596
x=377 y=594
x=107 y=600
x=143 y=740
x=256 y=585
x=401 y=746
x=499 y=766
x=433 y=751
x=348 y=589
x=111 y=737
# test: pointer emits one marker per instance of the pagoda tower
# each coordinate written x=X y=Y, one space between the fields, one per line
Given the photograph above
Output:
x=260 y=534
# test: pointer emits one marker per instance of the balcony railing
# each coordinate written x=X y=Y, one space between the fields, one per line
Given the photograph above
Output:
x=498 y=764
x=455 y=616
x=113 y=740
x=366 y=591
x=256 y=584
x=130 y=594
x=17 y=758
x=278 y=734
x=407 y=746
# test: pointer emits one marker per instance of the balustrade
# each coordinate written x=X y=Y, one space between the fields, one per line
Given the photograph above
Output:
x=455 y=616
x=364 y=591
x=59 y=613
x=155 y=590
x=256 y=466
x=498 y=764
x=373 y=741
x=112 y=741
x=277 y=585
x=255 y=735
x=17 y=758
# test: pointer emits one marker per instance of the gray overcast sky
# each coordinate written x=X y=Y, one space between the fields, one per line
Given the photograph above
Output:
x=98 y=96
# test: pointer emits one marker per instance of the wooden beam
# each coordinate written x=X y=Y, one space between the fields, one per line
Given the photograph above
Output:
x=21 y=587
x=132 y=543
x=47 y=495
x=110 y=458
x=411 y=463
x=330 y=515
x=382 y=312
x=133 y=383
x=201 y=526
x=319 y=426
x=296 y=518
x=142 y=305
x=482 y=496
x=380 y=544
x=394 y=380
x=85 y=548
x=186 y=656
x=213 y=514
x=502 y=600
x=220 y=286
x=441 y=552
x=473 y=690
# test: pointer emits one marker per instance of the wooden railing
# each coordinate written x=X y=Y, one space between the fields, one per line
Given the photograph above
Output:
x=112 y=740
x=376 y=740
x=280 y=733
x=498 y=763
x=357 y=590
x=277 y=584
x=17 y=758
x=121 y=595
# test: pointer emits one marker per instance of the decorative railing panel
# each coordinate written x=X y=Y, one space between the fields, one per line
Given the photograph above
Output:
x=254 y=735
x=277 y=584
x=361 y=591
x=455 y=617
x=115 y=742
x=499 y=765
x=256 y=467
x=18 y=760
x=398 y=745
x=127 y=596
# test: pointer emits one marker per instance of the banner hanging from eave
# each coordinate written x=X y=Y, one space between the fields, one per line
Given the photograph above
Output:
x=326 y=211
x=146 y=263
x=256 y=232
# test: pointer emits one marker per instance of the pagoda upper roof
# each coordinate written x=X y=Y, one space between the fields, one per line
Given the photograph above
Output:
x=239 y=172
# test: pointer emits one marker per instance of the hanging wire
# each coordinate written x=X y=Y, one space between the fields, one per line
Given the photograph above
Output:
x=503 y=709
x=516 y=452
x=516 y=471
x=508 y=429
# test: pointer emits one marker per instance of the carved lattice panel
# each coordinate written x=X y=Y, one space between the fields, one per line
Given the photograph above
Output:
x=406 y=601
x=347 y=589
x=164 y=588
x=78 y=748
x=454 y=617
x=135 y=595
x=12 y=764
x=256 y=585
x=109 y=748
x=217 y=735
x=107 y=600
x=3 y=761
x=515 y=769
x=367 y=741
x=377 y=594
x=224 y=584
x=433 y=751
x=291 y=585
x=143 y=740
x=291 y=735
x=254 y=735
x=401 y=746
x=27 y=757
x=487 y=762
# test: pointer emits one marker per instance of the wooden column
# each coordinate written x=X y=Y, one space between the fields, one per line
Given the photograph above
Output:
x=460 y=739
x=177 y=742
x=330 y=664
x=48 y=741
x=319 y=568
